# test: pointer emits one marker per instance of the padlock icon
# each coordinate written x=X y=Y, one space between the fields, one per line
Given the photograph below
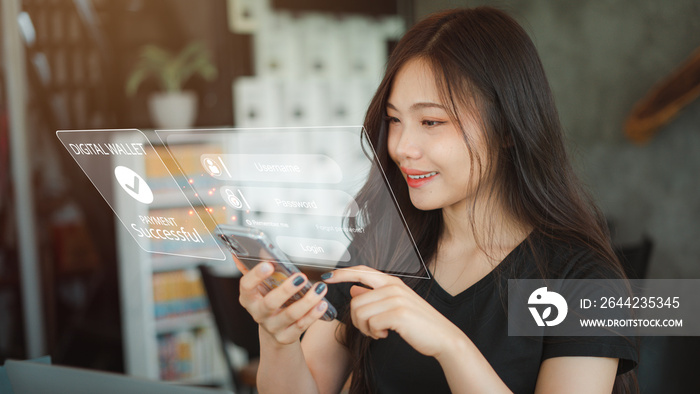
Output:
x=211 y=167
x=233 y=200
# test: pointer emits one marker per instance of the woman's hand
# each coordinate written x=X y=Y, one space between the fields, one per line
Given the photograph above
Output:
x=287 y=324
x=391 y=305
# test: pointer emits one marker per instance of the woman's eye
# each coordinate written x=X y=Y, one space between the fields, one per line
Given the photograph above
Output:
x=432 y=123
x=391 y=119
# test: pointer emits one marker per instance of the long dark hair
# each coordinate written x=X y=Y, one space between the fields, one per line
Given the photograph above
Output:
x=485 y=62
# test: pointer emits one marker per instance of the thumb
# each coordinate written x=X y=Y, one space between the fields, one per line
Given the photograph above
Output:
x=358 y=290
x=254 y=277
x=241 y=267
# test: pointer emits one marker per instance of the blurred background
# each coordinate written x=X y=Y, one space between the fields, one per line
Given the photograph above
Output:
x=98 y=64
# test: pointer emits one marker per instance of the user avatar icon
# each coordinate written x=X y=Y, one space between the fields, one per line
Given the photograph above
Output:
x=133 y=184
x=211 y=167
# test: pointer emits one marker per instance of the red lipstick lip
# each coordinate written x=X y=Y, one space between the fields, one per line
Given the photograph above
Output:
x=415 y=183
x=410 y=171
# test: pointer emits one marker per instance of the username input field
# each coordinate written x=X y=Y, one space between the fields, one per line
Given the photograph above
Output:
x=287 y=168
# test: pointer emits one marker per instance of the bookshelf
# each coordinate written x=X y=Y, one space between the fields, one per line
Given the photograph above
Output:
x=169 y=333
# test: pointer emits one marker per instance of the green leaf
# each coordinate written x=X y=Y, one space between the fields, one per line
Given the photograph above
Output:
x=172 y=71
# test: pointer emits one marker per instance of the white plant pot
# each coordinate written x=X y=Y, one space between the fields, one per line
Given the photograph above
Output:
x=173 y=110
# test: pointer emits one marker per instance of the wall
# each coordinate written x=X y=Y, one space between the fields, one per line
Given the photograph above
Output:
x=601 y=57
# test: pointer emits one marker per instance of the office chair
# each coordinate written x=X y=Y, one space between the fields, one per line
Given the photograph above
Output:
x=235 y=326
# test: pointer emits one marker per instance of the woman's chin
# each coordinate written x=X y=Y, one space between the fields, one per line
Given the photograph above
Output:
x=424 y=205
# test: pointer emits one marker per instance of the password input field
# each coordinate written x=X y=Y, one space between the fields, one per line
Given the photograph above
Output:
x=321 y=202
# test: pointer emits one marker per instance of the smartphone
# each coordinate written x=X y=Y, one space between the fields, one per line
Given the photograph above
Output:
x=251 y=246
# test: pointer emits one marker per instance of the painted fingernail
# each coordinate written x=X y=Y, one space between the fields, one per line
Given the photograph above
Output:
x=320 y=288
x=327 y=275
x=266 y=268
x=322 y=306
x=298 y=280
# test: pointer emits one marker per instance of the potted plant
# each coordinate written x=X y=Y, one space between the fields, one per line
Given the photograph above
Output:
x=172 y=108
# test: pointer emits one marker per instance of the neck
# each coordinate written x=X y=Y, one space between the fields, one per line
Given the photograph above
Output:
x=494 y=233
x=458 y=227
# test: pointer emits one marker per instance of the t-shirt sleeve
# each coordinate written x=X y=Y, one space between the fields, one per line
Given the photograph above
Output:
x=623 y=348
x=585 y=266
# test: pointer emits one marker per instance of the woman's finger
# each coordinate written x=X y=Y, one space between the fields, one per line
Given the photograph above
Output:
x=292 y=313
x=294 y=331
x=274 y=300
x=361 y=274
x=363 y=314
x=376 y=325
x=251 y=280
x=365 y=297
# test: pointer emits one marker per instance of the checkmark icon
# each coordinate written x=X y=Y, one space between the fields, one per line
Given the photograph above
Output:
x=133 y=184
x=134 y=188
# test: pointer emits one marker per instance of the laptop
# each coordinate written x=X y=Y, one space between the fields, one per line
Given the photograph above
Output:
x=29 y=377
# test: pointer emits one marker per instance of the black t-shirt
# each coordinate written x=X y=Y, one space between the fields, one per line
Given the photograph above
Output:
x=480 y=311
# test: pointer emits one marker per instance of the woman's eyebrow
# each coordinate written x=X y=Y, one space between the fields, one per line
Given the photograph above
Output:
x=417 y=106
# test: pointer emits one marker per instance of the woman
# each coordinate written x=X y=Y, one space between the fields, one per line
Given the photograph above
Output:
x=465 y=126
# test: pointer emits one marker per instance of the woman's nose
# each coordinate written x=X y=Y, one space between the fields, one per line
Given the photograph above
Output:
x=408 y=146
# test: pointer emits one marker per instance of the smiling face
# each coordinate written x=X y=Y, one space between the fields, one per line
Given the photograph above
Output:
x=427 y=145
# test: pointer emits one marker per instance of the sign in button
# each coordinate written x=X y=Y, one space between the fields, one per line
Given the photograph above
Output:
x=313 y=248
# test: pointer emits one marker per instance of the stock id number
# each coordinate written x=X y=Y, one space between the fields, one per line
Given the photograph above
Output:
x=639 y=302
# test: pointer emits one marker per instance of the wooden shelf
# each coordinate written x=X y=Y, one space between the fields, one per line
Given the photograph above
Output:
x=143 y=333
